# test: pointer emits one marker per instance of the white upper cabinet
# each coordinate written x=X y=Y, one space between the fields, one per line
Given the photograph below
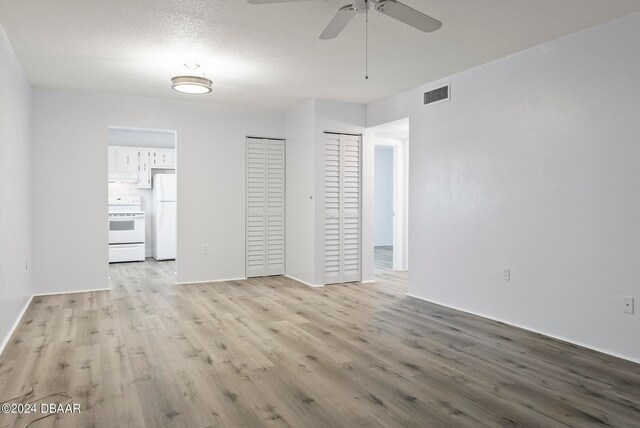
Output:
x=127 y=160
x=163 y=158
x=134 y=164
x=144 y=164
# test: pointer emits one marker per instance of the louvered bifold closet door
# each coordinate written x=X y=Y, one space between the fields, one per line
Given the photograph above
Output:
x=342 y=175
x=265 y=207
x=275 y=207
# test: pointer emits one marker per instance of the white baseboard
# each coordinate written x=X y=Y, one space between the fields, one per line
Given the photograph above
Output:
x=544 y=333
x=211 y=280
x=244 y=279
x=369 y=281
x=7 y=338
x=304 y=282
x=72 y=292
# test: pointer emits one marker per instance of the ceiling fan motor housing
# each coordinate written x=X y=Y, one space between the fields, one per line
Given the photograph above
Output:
x=360 y=6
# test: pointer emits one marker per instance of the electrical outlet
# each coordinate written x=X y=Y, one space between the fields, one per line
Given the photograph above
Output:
x=205 y=249
x=506 y=274
x=627 y=305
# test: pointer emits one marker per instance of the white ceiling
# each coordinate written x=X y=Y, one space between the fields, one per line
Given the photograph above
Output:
x=269 y=55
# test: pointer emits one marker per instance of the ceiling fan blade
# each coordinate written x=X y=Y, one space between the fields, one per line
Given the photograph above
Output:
x=408 y=15
x=338 y=23
x=271 y=1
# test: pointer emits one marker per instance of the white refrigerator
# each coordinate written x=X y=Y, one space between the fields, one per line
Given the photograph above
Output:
x=164 y=216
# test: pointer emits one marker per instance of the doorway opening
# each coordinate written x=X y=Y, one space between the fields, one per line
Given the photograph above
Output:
x=142 y=200
x=391 y=187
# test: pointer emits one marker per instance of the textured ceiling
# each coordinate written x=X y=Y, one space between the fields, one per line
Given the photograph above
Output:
x=269 y=55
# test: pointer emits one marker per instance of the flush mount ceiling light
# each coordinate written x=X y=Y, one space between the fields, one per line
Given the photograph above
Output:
x=191 y=84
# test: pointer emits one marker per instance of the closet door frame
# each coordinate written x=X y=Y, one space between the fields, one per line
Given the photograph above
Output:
x=265 y=210
x=341 y=273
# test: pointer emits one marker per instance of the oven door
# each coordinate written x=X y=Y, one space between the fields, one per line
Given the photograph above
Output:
x=126 y=228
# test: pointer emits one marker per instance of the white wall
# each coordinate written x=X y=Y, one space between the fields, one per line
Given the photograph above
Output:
x=300 y=176
x=70 y=183
x=15 y=189
x=383 y=195
x=533 y=164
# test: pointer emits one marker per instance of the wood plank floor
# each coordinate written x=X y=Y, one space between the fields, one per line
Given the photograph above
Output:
x=383 y=257
x=272 y=352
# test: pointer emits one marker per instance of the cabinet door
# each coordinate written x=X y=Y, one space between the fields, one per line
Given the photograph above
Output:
x=163 y=158
x=144 y=175
x=127 y=160
x=112 y=159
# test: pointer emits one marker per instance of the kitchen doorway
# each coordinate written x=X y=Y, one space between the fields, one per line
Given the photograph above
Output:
x=142 y=199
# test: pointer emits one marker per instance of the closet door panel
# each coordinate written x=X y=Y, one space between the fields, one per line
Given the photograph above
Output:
x=332 y=205
x=256 y=204
x=351 y=208
x=275 y=207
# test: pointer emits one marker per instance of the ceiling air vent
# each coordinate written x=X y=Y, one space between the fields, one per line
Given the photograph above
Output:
x=436 y=95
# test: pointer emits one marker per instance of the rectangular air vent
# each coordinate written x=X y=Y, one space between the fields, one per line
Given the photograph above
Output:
x=436 y=95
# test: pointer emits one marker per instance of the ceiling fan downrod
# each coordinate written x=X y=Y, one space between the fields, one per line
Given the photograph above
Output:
x=366 y=43
x=392 y=8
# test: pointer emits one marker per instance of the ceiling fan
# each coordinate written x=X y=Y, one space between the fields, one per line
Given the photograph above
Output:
x=392 y=8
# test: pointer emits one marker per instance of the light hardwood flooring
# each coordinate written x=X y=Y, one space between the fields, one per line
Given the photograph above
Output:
x=383 y=258
x=272 y=352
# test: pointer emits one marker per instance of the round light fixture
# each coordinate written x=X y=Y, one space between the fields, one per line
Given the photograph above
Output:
x=191 y=84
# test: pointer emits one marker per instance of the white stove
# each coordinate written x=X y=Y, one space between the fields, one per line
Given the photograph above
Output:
x=126 y=229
